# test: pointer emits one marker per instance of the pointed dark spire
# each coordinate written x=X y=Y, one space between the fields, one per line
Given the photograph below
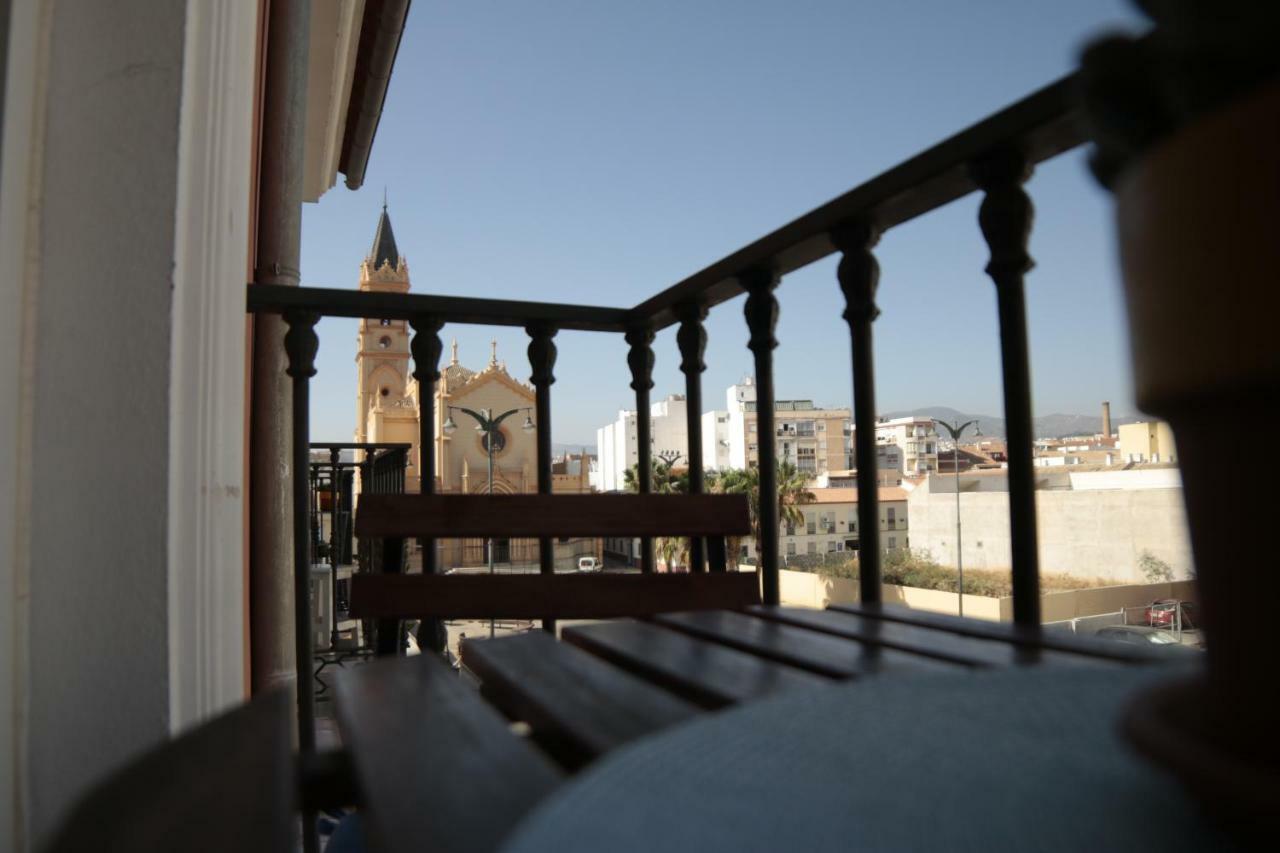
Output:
x=384 y=242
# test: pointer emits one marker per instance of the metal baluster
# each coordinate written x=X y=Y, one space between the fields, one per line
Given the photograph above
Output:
x=859 y=275
x=762 y=319
x=301 y=344
x=640 y=360
x=426 y=347
x=542 y=360
x=335 y=456
x=1005 y=218
x=692 y=339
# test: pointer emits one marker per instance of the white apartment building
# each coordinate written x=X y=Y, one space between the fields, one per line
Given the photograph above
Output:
x=715 y=440
x=918 y=439
x=618 y=449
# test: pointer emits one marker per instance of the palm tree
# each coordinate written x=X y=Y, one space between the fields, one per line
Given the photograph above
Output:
x=792 y=493
x=664 y=481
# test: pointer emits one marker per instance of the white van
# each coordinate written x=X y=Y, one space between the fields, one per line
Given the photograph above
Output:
x=588 y=564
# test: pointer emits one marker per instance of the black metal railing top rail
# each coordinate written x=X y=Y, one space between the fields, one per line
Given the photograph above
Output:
x=994 y=156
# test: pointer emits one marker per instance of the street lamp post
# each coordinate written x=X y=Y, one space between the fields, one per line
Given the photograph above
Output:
x=488 y=425
x=955 y=432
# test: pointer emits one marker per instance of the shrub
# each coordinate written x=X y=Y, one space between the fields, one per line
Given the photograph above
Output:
x=918 y=569
x=1154 y=569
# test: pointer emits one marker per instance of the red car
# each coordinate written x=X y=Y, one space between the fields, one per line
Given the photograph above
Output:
x=1164 y=614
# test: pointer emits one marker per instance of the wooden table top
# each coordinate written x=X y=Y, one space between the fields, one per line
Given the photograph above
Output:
x=441 y=767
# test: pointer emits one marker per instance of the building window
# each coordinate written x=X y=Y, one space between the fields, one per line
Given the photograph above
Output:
x=384 y=342
x=384 y=322
x=384 y=391
x=812 y=548
x=892 y=520
x=791 y=549
x=893 y=543
x=831 y=547
x=810 y=525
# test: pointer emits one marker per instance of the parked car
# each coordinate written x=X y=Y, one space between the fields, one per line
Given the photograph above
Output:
x=1164 y=614
x=588 y=564
x=1141 y=635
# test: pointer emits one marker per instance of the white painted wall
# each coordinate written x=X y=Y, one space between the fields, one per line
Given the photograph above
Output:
x=735 y=398
x=1093 y=533
x=25 y=57
x=99 y=667
x=123 y=211
x=1135 y=478
x=207 y=491
x=715 y=440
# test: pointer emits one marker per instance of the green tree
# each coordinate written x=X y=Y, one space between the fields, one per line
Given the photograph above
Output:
x=793 y=492
x=1154 y=569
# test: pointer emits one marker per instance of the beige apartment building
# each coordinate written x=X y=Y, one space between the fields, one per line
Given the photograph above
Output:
x=830 y=524
x=1147 y=441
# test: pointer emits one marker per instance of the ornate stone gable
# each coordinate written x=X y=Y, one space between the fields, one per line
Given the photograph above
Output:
x=491 y=374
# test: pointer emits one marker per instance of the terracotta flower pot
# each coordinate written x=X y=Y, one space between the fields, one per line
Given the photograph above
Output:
x=1199 y=233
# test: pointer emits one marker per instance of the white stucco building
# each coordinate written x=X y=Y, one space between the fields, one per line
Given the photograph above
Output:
x=618 y=448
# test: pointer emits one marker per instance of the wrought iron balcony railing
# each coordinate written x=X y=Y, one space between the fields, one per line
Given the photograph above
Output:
x=994 y=156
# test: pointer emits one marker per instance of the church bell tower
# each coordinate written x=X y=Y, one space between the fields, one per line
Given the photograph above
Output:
x=382 y=350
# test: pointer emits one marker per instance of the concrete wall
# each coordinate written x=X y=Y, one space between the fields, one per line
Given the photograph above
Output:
x=1096 y=533
x=807 y=589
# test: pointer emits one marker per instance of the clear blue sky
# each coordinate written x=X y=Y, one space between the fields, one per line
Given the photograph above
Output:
x=598 y=152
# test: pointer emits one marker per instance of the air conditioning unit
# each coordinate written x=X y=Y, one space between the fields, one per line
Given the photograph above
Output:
x=321 y=608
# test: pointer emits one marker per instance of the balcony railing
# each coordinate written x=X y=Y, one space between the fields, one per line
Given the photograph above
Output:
x=995 y=157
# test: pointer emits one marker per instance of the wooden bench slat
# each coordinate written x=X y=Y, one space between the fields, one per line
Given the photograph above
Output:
x=458 y=516
x=957 y=648
x=226 y=785
x=834 y=657
x=1005 y=632
x=562 y=596
x=707 y=674
x=577 y=705
x=439 y=769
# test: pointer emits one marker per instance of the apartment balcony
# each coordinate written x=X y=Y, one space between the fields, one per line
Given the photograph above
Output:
x=434 y=764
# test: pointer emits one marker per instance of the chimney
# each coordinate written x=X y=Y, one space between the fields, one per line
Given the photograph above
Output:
x=1106 y=419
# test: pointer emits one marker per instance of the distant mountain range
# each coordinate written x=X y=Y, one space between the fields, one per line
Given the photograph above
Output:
x=1045 y=426
x=559 y=448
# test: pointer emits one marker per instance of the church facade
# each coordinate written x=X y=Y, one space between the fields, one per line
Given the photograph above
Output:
x=388 y=410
